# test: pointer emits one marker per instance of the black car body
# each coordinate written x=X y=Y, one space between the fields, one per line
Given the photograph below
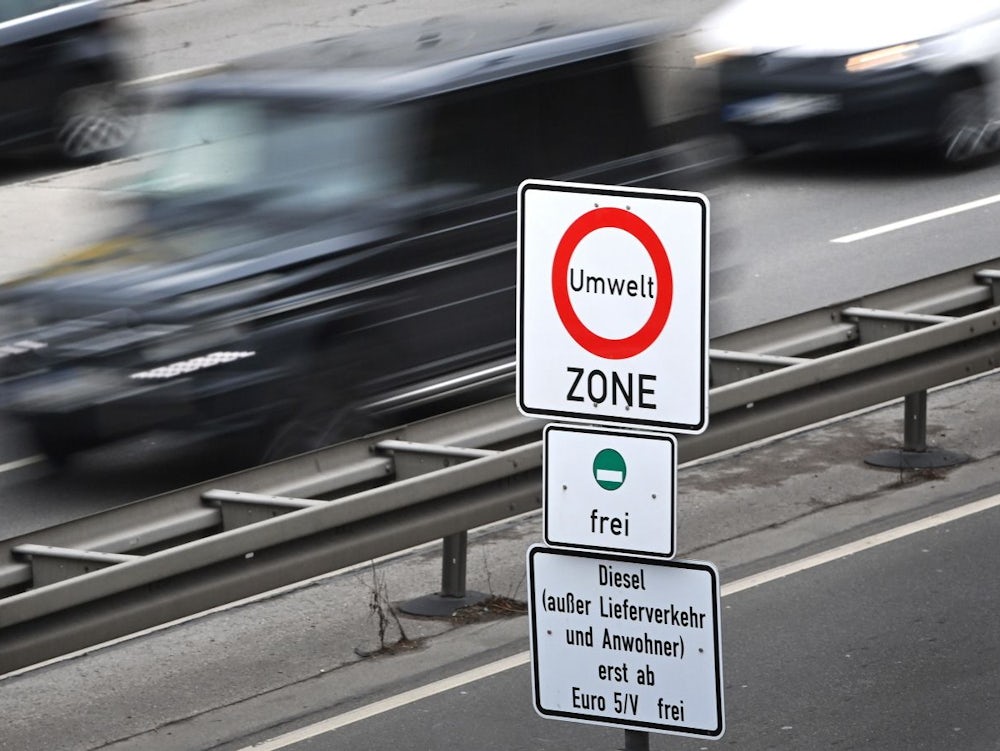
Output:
x=330 y=226
x=62 y=65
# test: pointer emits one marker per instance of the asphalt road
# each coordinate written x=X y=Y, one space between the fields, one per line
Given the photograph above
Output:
x=789 y=226
x=889 y=648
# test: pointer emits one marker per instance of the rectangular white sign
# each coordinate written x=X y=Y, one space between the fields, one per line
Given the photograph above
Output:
x=607 y=489
x=612 y=305
x=624 y=641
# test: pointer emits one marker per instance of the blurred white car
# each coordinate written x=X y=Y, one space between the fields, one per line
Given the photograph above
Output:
x=846 y=74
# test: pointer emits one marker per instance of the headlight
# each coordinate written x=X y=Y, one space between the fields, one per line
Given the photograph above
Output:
x=714 y=57
x=895 y=56
x=887 y=57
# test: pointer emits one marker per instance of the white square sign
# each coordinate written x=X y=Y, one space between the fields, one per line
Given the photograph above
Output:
x=612 y=305
x=607 y=489
x=621 y=641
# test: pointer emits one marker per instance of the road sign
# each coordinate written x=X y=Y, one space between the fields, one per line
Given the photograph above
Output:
x=612 y=305
x=607 y=489
x=626 y=641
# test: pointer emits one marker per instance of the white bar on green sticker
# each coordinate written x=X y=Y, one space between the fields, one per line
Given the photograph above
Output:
x=609 y=475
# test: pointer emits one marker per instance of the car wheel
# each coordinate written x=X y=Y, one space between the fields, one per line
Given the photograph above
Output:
x=55 y=446
x=325 y=411
x=965 y=131
x=93 y=121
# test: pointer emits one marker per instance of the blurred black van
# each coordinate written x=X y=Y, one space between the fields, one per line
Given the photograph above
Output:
x=325 y=229
x=61 y=69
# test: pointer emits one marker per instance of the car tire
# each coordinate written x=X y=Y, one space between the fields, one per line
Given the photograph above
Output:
x=965 y=133
x=93 y=121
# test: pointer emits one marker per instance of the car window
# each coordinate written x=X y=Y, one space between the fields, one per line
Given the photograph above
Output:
x=206 y=146
x=248 y=147
x=340 y=157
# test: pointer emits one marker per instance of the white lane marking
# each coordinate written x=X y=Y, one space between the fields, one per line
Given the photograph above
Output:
x=18 y=463
x=749 y=582
x=917 y=220
x=858 y=546
x=393 y=702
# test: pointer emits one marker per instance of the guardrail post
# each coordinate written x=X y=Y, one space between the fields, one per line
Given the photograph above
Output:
x=412 y=459
x=915 y=454
x=455 y=554
x=915 y=422
x=874 y=325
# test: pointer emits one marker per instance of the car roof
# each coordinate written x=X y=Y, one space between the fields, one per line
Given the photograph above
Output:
x=416 y=60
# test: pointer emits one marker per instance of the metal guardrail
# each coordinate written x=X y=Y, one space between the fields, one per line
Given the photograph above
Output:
x=156 y=560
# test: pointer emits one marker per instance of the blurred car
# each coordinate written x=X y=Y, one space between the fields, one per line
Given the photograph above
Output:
x=61 y=69
x=848 y=74
x=324 y=227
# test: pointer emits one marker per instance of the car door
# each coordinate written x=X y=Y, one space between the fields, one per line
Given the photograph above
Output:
x=582 y=120
x=457 y=308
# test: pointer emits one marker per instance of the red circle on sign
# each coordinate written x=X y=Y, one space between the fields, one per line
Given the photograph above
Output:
x=612 y=349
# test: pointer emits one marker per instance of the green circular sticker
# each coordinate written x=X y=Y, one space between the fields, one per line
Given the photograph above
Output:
x=609 y=469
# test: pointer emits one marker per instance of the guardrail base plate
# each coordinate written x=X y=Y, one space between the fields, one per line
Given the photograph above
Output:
x=440 y=606
x=906 y=459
